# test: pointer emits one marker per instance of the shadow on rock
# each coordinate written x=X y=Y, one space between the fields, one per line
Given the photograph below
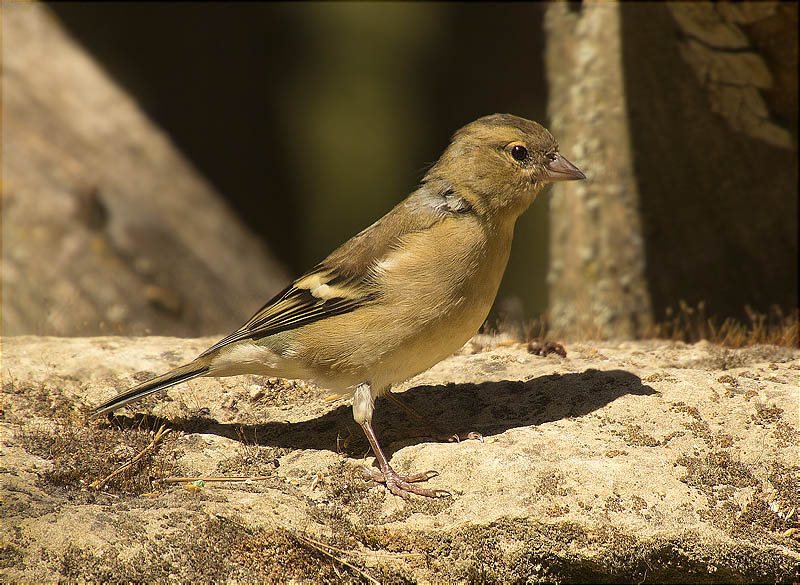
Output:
x=488 y=408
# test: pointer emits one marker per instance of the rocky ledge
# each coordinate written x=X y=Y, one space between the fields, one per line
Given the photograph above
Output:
x=637 y=462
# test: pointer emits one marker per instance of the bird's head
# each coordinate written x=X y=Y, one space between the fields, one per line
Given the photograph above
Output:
x=501 y=162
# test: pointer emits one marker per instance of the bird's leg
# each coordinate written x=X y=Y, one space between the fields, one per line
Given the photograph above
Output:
x=399 y=485
x=426 y=422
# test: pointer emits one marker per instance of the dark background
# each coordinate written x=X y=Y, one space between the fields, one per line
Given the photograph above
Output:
x=313 y=120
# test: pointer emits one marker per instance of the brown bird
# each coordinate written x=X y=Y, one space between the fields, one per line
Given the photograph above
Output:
x=403 y=294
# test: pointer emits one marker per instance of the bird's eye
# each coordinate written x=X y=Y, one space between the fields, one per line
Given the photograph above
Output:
x=519 y=153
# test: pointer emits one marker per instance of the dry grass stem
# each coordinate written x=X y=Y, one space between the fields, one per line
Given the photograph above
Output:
x=321 y=547
x=213 y=478
x=691 y=324
x=160 y=433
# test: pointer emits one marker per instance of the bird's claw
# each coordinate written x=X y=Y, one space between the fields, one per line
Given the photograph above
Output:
x=405 y=485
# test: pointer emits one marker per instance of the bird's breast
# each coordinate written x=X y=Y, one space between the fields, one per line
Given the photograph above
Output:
x=434 y=294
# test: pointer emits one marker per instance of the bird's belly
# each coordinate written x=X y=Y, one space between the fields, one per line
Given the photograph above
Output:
x=436 y=342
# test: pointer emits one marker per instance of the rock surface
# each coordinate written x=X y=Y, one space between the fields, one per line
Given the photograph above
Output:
x=641 y=461
x=107 y=227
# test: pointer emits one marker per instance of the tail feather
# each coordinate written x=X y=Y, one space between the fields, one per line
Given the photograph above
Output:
x=176 y=376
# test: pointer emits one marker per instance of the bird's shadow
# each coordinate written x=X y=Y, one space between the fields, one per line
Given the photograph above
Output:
x=488 y=408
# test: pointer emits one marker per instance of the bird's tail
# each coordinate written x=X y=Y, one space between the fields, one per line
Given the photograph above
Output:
x=176 y=376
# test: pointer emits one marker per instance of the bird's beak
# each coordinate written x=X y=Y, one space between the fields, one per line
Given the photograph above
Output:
x=561 y=169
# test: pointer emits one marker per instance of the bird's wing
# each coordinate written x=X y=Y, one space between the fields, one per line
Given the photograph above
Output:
x=345 y=280
x=316 y=295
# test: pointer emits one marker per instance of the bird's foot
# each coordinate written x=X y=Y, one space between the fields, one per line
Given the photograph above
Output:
x=404 y=485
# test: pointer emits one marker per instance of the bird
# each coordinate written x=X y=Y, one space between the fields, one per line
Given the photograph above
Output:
x=401 y=295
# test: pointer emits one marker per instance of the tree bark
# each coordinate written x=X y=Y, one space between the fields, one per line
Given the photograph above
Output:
x=596 y=278
x=684 y=118
x=715 y=161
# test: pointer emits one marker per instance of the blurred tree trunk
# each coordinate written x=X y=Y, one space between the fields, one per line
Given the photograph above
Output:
x=685 y=120
x=596 y=279
x=106 y=227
